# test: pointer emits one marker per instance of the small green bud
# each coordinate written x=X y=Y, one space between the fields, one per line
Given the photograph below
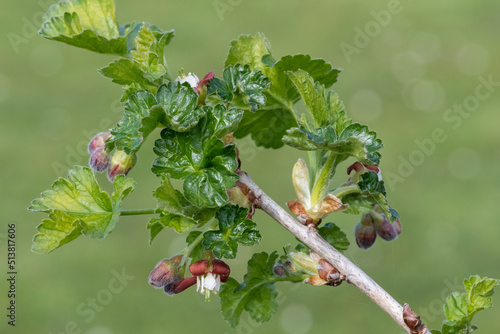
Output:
x=121 y=163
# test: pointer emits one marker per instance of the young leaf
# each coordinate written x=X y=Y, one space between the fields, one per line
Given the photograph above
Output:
x=144 y=67
x=371 y=191
x=234 y=229
x=355 y=140
x=139 y=120
x=266 y=127
x=77 y=205
x=200 y=158
x=282 y=94
x=241 y=83
x=313 y=96
x=459 y=309
x=176 y=211
x=88 y=24
x=149 y=49
x=334 y=236
x=256 y=295
x=124 y=71
x=180 y=103
x=179 y=223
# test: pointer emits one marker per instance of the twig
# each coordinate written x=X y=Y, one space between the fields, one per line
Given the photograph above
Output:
x=313 y=240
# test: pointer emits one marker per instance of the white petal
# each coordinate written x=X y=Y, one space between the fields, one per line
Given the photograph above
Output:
x=217 y=288
x=198 y=283
x=210 y=282
x=202 y=285
x=191 y=78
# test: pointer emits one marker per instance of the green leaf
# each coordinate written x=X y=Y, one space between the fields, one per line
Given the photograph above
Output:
x=371 y=191
x=256 y=295
x=77 y=205
x=180 y=103
x=88 y=24
x=266 y=127
x=197 y=252
x=124 y=71
x=144 y=67
x=459 y=309
x=200 y=158
x=313 y=96
x=355 y=140
x=252 y=50
x=241 y=83
x=234 y=229
x=139 y=120
x=176 y=211
x=282 y=94
x=179 y=223
x=149 y=49
x=334 y=236
x=56 y=231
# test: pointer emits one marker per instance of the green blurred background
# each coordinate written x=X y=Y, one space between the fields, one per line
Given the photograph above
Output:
x=428 y=58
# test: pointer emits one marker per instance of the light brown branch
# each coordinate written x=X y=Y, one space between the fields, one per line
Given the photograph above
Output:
x=313 y=240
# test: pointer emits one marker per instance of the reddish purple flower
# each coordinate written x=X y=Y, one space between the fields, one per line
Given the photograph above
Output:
x=360 y=168
x=208 y=275
x=98 y=141
x=99 y=160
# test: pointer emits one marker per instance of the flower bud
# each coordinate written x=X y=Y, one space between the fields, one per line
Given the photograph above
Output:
x=202 y=87
x=365 y=235
x=397 y=225
x=166 y=272
x=99 y=160
x=303 y=262
x=279 y=270
x=301 y=183
x=386 y=230
x=121 y=163
x=98 y=141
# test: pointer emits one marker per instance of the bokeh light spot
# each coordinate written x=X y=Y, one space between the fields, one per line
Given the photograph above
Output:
x=424 y=95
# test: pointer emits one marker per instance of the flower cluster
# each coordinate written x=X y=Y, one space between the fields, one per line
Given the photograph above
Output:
x=375 y=223
x=207 y=275
x=117 y=162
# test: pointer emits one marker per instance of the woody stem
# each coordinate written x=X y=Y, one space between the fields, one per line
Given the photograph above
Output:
x=354 y=275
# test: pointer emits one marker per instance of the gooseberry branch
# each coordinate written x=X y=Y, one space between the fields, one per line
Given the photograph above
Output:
x=353 y=274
